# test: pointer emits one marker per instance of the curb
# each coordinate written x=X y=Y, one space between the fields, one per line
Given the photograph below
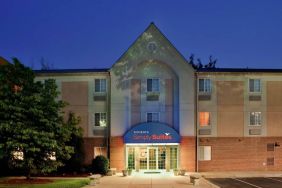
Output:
x=210 y=183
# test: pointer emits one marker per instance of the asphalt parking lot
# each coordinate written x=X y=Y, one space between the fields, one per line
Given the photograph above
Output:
x=260 y=182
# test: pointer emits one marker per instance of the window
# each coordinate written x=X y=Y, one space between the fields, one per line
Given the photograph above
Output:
x=131 y=158
x=153 y=85
x=204 y=153
x=254 y=85
x=100 y=119
x=153 y=117
x=100 y=85
x=204 y=119
x=18 y=155
x=173 y=158
x=255 y=118
x=205 y=85
x=52 y=156
x=100 y=151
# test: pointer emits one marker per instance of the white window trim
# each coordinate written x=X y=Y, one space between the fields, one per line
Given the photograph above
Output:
x=100 y=119
x=255 y=92
x=152 y=85
x=100 y=92
x=255 y=125
x=210 y=88
x=154 y=113
x=100 y=152
x=204 y=158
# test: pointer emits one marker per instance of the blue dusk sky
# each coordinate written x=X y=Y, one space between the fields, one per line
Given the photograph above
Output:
x=70 y=34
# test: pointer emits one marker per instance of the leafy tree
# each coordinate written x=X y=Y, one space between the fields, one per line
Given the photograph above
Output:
x=74 y=164
x=33 y=135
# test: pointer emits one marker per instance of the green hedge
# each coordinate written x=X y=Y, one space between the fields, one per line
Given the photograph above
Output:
x=100 y=165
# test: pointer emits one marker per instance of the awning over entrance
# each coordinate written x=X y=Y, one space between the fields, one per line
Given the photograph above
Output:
x=152 y=132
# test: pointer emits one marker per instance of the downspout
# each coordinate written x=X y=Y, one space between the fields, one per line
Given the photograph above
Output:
x=196 y=120
x=109 y=118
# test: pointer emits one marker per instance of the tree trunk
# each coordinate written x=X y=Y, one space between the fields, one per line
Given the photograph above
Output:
x=28 y=174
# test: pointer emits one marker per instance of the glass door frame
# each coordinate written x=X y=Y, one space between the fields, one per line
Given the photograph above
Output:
x=156 y=157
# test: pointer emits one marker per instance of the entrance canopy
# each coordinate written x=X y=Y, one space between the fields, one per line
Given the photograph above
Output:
x=151 y=132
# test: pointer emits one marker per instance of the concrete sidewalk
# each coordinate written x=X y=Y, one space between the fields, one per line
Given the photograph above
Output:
x=168 y=180
x=140 y=180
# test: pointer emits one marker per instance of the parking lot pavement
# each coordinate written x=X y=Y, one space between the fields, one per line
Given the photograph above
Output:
x=254 y=182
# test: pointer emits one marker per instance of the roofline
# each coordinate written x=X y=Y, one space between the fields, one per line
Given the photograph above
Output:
x=238 y=70
x=59 y=71
x=152 y=23
x=201 y=70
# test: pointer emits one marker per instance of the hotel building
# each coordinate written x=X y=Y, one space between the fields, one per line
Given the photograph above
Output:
x=152 y=111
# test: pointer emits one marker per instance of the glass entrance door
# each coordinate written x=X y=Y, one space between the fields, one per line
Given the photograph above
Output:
x=161 y=158
x=149 y=158
x=152 y=156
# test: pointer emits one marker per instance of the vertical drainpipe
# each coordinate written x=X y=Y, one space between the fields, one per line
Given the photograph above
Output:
x=196 y=120
x=109 y=117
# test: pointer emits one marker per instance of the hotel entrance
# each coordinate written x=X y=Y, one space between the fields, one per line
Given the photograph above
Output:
x=152 y=158
x=152 y=146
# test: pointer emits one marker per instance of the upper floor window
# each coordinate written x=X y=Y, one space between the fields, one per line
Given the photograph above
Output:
x=255 y=118
x=153 y=85
x=153 y=117
x=204 y=85
x=100 y=119
x=254 y=85
x=100 y=85
x=204 y=119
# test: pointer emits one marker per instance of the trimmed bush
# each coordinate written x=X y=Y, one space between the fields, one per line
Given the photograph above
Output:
x=100 y=165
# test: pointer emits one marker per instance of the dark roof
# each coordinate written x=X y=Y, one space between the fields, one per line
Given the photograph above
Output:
x=250 y=70
x=71 y=70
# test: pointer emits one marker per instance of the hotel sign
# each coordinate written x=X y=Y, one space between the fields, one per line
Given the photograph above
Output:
x=152 y=132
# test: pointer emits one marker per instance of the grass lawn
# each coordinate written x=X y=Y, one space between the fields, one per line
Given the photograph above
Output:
x=58 y=183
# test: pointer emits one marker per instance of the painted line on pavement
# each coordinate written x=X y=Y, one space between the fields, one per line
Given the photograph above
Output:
x=246 y=182
x=272 y=179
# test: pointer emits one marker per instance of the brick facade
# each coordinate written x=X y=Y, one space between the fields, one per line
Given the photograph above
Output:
x=88 y=145
x=117 y=153
x=188 y=153
x=241 y=153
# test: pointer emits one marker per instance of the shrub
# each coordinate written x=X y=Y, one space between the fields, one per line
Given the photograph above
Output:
x=100 y=165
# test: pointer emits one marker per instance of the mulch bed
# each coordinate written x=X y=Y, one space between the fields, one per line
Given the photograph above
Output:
x=69 y=175
x=14 y=181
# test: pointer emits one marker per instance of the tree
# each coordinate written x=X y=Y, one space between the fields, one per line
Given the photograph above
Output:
x=74 y=164
x=33 y=135
x=211 y=64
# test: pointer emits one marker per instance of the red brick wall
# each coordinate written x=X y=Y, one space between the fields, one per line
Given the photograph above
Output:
x=241 y=154
x=89 y=144
x=117 y=155
x=188 y=153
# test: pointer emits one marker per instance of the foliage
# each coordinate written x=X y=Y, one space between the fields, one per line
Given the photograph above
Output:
x=75 y=163
x=31 y=121
x=130 y=161
x=210 y=65
x=61 y=183
x=100 y=165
